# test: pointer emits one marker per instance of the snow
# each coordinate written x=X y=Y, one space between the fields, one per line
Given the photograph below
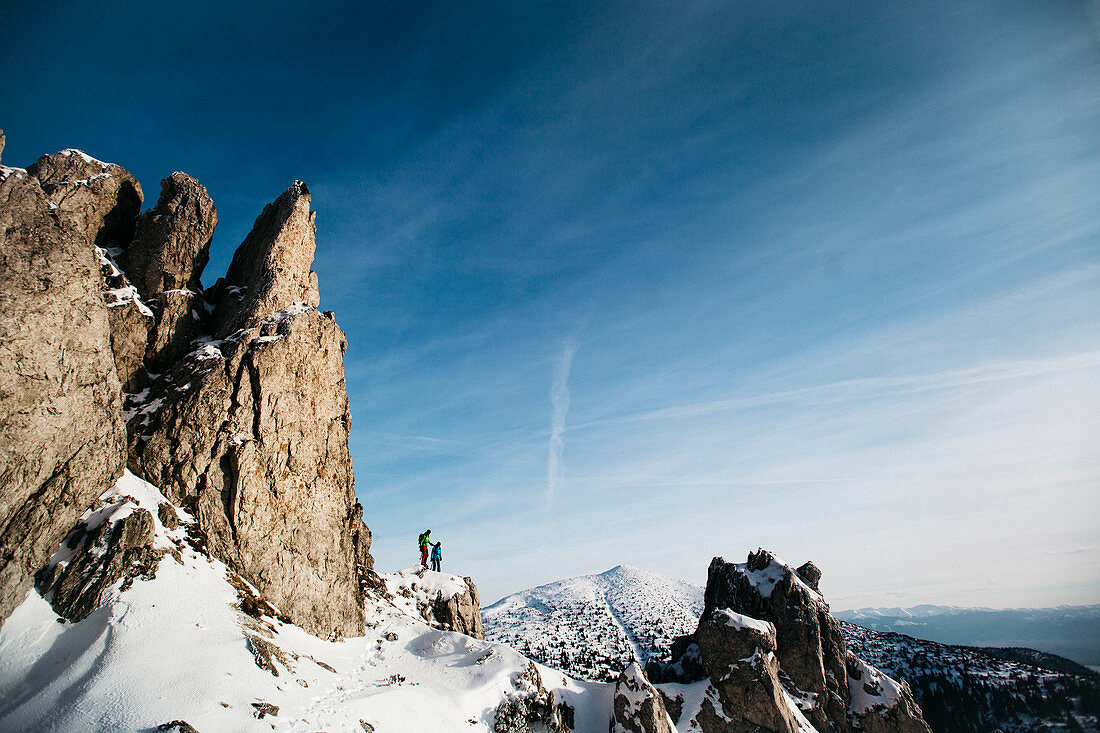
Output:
x=873 y=688
x=207 y=350
x=740 y=621
x=765 y=579
x=116 y=297
x=279 y=318
x=6 y=170
x=415 y=587
x=84 y=156
x=593 y=625
x=804 y=725
x=177 y=648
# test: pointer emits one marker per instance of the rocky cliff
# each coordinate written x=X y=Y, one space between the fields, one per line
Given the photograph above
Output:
x=234 y=399
x=773 y=654
x=62 y=436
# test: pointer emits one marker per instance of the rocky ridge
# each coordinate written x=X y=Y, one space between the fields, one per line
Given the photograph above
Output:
x=766 y=640
x=232 y=401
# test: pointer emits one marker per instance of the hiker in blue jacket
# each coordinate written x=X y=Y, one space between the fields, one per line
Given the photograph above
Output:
x=437 y=556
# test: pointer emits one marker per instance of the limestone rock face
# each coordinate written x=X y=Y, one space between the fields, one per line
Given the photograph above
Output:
x=270 y=271
x=101 y=200
x=811 y=647
x=165 y=262
x=252 y=431
x=638 y=707
x=249 y=429
x=461 y=612
x=171 y=246
x=62 y=436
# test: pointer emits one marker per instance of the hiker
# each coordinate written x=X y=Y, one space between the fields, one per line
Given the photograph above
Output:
x=425 y=540
x=437 y=556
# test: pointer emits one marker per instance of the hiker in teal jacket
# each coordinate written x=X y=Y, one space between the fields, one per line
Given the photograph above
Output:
x=437 y=556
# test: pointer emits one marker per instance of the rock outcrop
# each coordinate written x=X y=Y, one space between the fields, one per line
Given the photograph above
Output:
x=116 y=542
x=461 y=612
x=240 y=414
x=637 y=706
x=531 y=708
x=252 y=430
x=62 y=436
x=767 y=642
x=100 y=200
x=738 y=655
x=811 y=647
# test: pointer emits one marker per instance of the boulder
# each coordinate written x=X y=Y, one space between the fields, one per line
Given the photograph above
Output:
x=62 y=436
x=461 y=612
x=270 y=271
x=738 y=654
x=637 y=706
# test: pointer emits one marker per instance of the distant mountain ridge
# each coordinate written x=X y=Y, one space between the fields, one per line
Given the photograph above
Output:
x=1068 y=631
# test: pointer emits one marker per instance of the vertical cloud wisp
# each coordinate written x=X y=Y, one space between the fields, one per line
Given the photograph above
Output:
x=559 y=403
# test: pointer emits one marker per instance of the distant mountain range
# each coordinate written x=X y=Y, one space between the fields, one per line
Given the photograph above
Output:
x=1068 y=631
x=594 y=625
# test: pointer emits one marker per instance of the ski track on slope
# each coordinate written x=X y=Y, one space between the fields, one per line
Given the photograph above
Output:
x=638 y=657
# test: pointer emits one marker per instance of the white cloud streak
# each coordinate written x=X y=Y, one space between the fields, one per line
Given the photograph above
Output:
x=559 y=402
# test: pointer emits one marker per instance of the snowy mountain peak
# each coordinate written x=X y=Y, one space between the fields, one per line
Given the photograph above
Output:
x=595 y=625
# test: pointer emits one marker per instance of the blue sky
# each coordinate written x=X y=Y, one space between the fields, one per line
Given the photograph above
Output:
x=651 y=282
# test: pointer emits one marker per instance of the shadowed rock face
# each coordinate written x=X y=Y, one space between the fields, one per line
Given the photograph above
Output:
x=102 y=555
x=166 y=258
x=637 y=706
x=741 y=663
x=766 y=629
x=811 y=646
x=62 y=437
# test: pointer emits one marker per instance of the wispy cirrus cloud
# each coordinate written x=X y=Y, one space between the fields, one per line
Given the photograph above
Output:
x=559 y=401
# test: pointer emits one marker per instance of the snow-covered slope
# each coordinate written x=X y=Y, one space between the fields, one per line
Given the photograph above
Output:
x=595 y=625
x=962 y=688
x=178 y=647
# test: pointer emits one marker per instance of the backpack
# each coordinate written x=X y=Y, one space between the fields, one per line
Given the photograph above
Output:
x=420 y=539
